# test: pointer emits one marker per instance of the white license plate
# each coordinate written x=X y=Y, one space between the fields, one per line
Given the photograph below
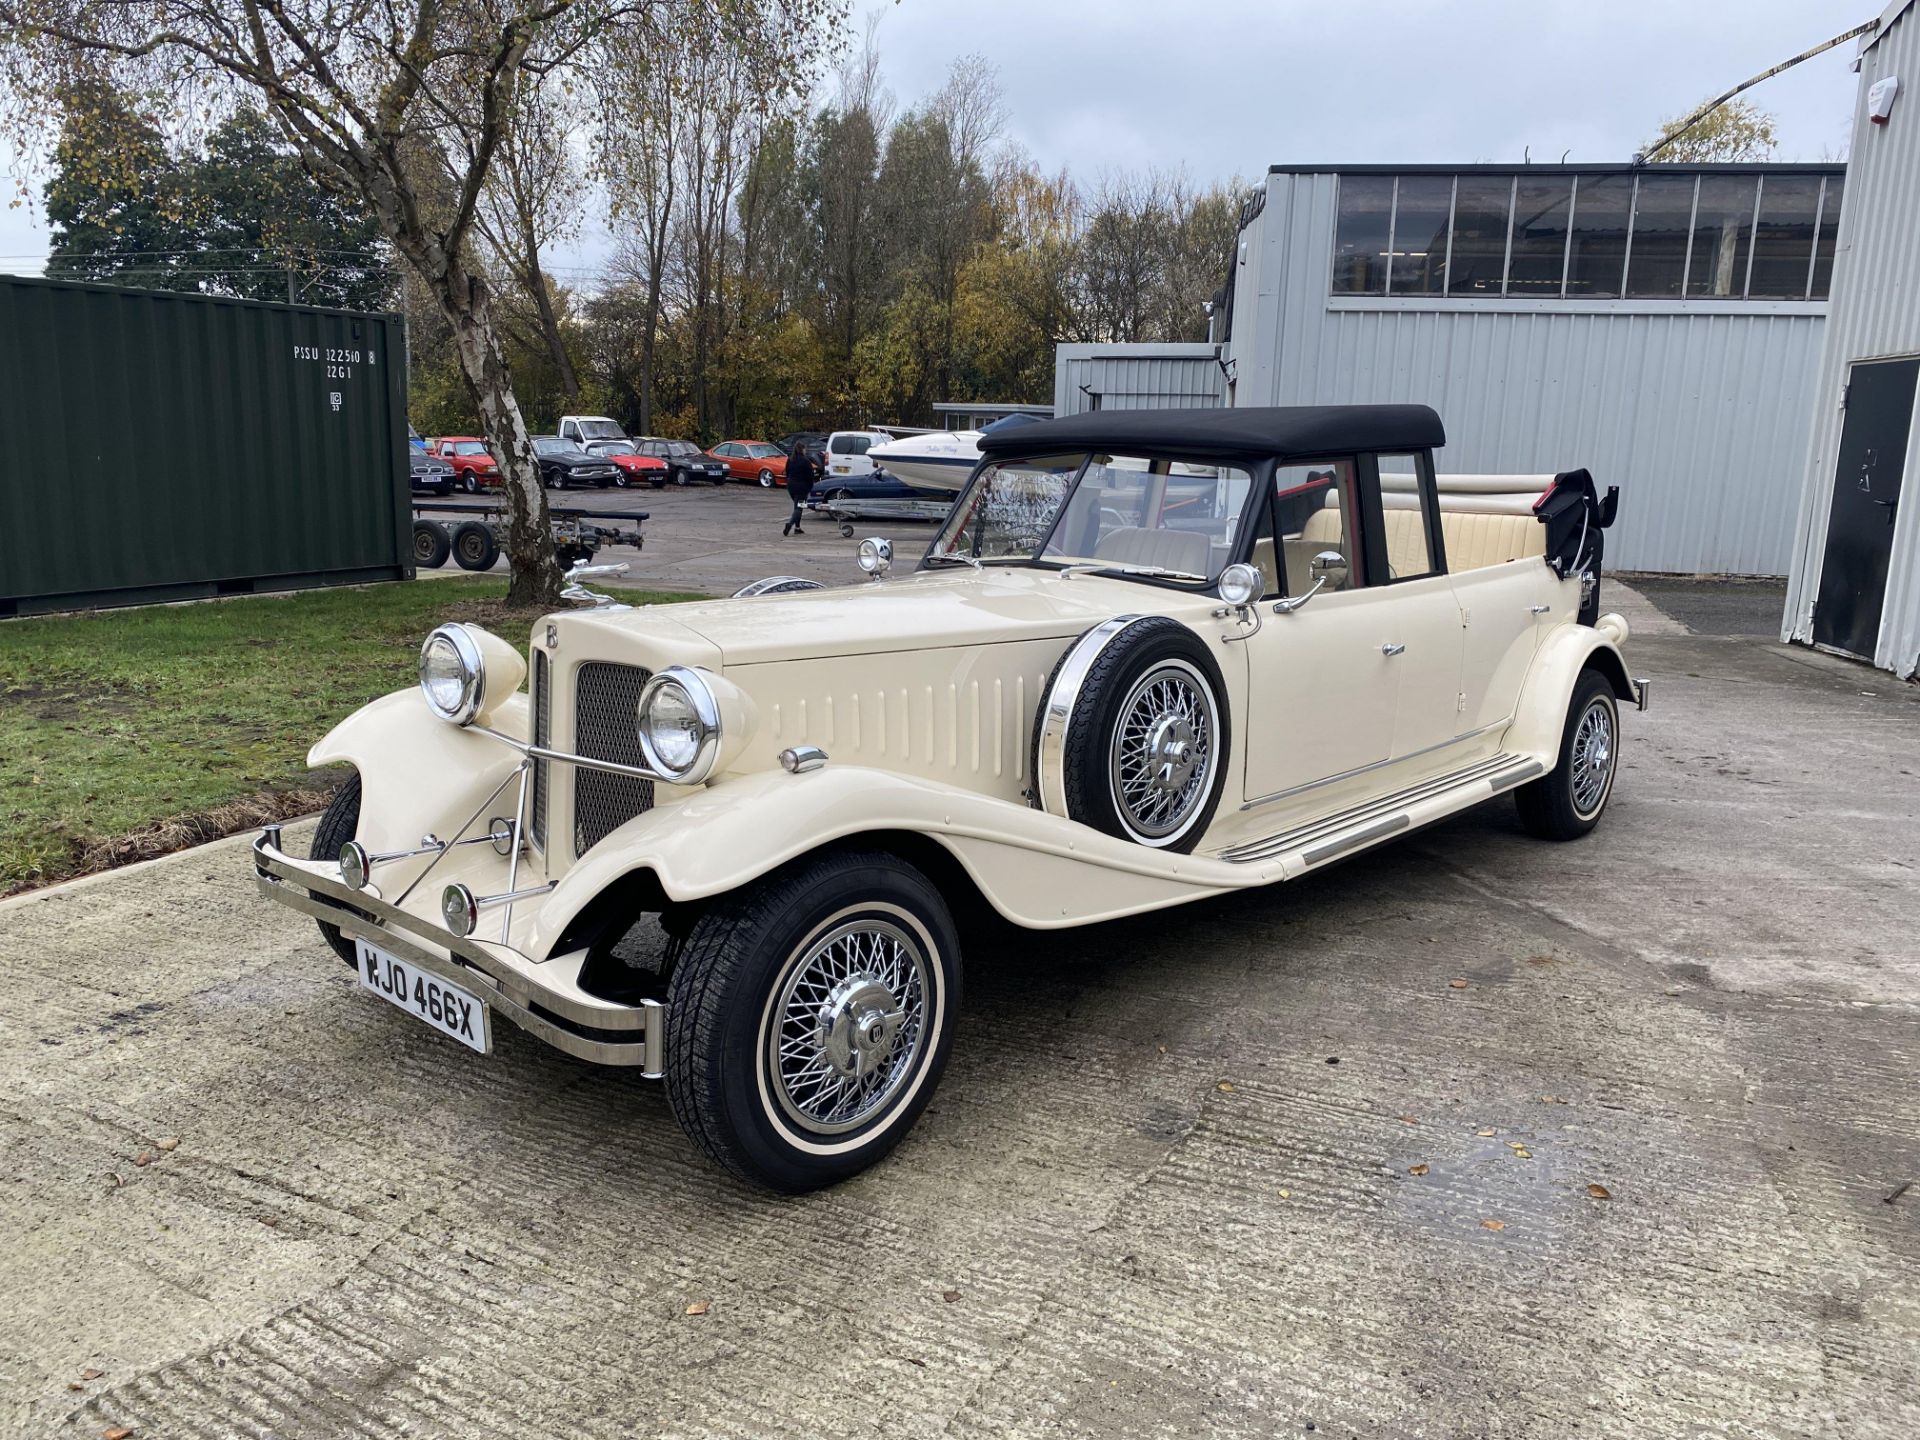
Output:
x=447 y=1008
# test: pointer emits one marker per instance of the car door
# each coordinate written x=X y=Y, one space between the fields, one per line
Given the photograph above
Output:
x=1426 y=641
x=1323 y=688
x=728 y=453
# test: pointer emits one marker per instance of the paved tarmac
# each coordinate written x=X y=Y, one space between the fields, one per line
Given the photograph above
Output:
x=1472 y=1136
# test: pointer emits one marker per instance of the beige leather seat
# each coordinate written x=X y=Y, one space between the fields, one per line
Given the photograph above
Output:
x=1186 y=550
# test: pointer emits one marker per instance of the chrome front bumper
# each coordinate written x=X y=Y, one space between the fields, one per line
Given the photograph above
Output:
x=603 y=1031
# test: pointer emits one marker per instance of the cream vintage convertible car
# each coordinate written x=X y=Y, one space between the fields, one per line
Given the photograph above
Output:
x=1151 y=657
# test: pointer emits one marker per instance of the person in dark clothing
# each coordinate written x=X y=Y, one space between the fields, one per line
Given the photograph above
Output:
x=801 y=474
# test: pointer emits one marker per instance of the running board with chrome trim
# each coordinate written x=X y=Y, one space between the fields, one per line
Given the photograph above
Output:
x=1334 y=835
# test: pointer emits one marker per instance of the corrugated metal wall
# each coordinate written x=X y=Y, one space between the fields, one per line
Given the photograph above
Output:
x=1136 y=377
x=1696 y=410
x=1875 y=315
x=160 y=446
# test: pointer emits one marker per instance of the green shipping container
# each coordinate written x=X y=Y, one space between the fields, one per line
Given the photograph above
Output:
x=157 y=446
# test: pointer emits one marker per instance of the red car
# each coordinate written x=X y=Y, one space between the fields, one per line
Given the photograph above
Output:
x=472 y=465
x=756 y=460
x=633 y=467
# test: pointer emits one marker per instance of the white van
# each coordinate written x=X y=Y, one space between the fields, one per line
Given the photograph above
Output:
x=847 y=452
x=582 y=429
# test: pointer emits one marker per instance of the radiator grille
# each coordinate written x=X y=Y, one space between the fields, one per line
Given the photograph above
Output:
x=606 y=727
x=543 y=737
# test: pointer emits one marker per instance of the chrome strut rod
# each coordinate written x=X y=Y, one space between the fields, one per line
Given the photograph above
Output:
x=505 y=781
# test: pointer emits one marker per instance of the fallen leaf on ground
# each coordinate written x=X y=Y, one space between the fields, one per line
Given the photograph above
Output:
x=698 y=1307
x=1599 y=1192
x=1163 y=1049
x=1416 y=1169
x=91 y=1374
x=1493 y=1224
x=145 y=1157
x=1224 y=1085
x=950 y=1296
x=1483 y=1132
x=1286 y=1194
x=172 y=1142
x=1457 y=984
x=921 y=1363
x=75 y=1385
x=1408 y=1120
x=118 y=1432
x=1520 y=1152
x=1553 y=1100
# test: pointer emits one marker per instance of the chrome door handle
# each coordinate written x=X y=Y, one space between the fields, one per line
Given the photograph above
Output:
x=1391 y=649
x=1538 y=609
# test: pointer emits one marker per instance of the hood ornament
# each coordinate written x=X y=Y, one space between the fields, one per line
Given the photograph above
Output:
x=576 y=587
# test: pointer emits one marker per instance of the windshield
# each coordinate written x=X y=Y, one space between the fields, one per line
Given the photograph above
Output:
x=763 y=451
x=469 y=447
x=682 y=447
x=600 y=430
x=1128 y=513
x=557 y=447
x=614 y=447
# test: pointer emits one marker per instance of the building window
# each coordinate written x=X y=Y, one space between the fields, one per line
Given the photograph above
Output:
x=1783 y=237
x=1722 y=237
x=1421 y=212
x=1823 y=240
x=1541 y=207
x=1657 y=254
x=1362 y=234
x=1481 y=216
x=1665 y=233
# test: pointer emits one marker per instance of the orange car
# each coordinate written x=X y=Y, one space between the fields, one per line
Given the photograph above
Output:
x=756 y=460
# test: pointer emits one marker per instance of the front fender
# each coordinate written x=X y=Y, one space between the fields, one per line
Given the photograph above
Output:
x=1037 y=870
x=1541 y=715
x=417 y=772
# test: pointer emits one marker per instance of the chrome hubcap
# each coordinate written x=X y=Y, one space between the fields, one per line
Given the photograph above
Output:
x=848 y=1025
x=1163 y=750
x=1592 y=758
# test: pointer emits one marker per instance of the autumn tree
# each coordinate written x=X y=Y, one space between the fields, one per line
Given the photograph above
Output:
x=1736 y=131
x=368 y=91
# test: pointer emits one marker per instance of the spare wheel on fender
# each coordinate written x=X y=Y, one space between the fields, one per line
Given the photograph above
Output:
x=1132 y=734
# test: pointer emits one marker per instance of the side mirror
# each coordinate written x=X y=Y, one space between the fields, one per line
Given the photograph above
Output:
x=1331 y=566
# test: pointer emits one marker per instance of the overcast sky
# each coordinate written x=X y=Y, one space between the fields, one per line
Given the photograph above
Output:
x=1227 y=88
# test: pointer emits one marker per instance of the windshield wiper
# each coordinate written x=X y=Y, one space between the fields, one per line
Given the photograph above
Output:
x=954 y=558
x=1153 y=571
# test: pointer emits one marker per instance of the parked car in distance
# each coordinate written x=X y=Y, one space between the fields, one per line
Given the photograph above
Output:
x=686 y=462
x=630 y=465
x=581 y=429
x=875 y=485
x=428 y=474
x=564 y=464
x=801 y=437
x=847 y=452
x=472 y=462
x=1085 y=703
x=759 y=461
x=414 y=440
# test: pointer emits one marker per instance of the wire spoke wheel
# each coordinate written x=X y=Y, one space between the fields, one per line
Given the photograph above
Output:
x=1161 y=763
x=1592 y=758
x=847 y=1024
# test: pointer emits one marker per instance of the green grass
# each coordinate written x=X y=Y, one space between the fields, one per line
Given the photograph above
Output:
x=128 y=733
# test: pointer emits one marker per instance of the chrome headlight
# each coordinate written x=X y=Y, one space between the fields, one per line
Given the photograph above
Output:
x=680 y=725
x=453 y=675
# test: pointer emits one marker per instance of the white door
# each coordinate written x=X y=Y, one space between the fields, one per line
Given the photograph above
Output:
x=1323 y=692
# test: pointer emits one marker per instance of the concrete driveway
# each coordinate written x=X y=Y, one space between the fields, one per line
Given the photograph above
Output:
x=1322 y=1158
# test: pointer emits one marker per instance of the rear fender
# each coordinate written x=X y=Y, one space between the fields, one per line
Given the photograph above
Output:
x=417 y=772
x=1036 y=870
x=1542 y=712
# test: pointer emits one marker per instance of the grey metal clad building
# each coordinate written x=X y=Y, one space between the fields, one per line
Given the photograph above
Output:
x=1855 y=581
x=1136 y=377
x=1659 y=325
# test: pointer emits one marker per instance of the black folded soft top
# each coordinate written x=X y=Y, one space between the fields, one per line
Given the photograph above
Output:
x=1303 y=431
